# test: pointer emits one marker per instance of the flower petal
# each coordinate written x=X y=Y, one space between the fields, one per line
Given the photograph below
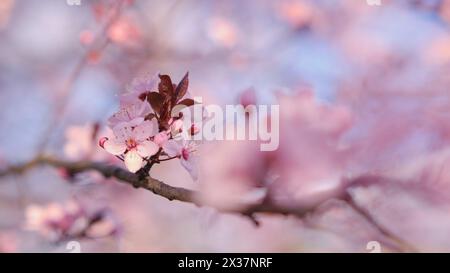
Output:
x=172 y=148
x=176 y=127
x=191 y=166
x=147 y=148
x=146 y=129
x=133 y=161
x=123 y=131
x=114 y=147
x=161 y=138
x=136 y=121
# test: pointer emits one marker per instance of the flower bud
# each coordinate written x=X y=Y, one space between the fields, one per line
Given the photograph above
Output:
x=102 y=141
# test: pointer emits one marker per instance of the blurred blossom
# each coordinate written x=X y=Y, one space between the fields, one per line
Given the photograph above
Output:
x=61 y=221
x=298 y=14
x=248 y=97
x=8 y=242
x=86 y=37
x=318 y=160
x=438 y=52
x=55 y=220
x=124 y=32
x=316 y=163
x=6 y=7
x=223 y=32
x=81 y=142
x=234 y=171
x=445 y=10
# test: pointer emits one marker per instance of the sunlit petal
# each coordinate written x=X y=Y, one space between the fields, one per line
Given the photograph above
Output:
x=114 y=147
x=147 y=148
x=133 y=161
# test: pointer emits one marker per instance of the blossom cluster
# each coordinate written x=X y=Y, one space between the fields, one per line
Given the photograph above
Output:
x=149 y=126
x=61 y=221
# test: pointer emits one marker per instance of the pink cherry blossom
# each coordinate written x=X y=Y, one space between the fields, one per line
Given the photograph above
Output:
x=133 y=107
x=161 y=138
x=55 y=220
x=58 y=221
x=185 y=151
x=133 y=141
x=132 y=111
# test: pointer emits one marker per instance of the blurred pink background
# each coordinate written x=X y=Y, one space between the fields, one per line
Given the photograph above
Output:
x=363 y=91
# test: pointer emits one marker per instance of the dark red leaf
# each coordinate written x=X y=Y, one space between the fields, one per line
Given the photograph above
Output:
x=182 y=87
x=150 y=116
x=143 y=96
x=165 y=86
x=156 y=100
x=186 y=102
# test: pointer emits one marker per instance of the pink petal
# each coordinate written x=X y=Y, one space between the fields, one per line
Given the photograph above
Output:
x=146 y=129
x=119 y=116
x=147 y=148
x=130 y=110
x=114 y=147
x=136 y=121
x=123 y=131
x=161 y=138
x=191 y=166
x=172 y=148
x=133 y=161
x=176 y=127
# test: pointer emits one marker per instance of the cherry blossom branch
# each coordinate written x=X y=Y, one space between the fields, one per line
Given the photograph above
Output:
x=299 y=209
x=122 y=175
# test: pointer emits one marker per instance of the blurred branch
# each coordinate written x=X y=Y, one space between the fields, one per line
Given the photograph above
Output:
x=151 y=184
x=299 y=209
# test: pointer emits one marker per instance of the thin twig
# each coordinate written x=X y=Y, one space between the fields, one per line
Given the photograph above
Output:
x=99 y=44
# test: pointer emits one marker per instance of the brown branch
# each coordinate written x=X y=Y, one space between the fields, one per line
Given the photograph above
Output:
x=122 y=175
x=160 y=188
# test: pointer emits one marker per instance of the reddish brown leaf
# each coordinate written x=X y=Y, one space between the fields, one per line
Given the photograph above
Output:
x=143 y=96
x=182 y=87
x=150 y=116
x=186 y=102
x=156 y=100
x=165 y=86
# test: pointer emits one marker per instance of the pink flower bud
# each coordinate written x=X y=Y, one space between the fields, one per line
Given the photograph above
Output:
x=86 y=37
x=248 y=97
x=177 y=126
x=102 y=141
x=194 y=129
x=185 y=153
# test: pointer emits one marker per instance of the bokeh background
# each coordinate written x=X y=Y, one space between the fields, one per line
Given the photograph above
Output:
x=362 y=89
